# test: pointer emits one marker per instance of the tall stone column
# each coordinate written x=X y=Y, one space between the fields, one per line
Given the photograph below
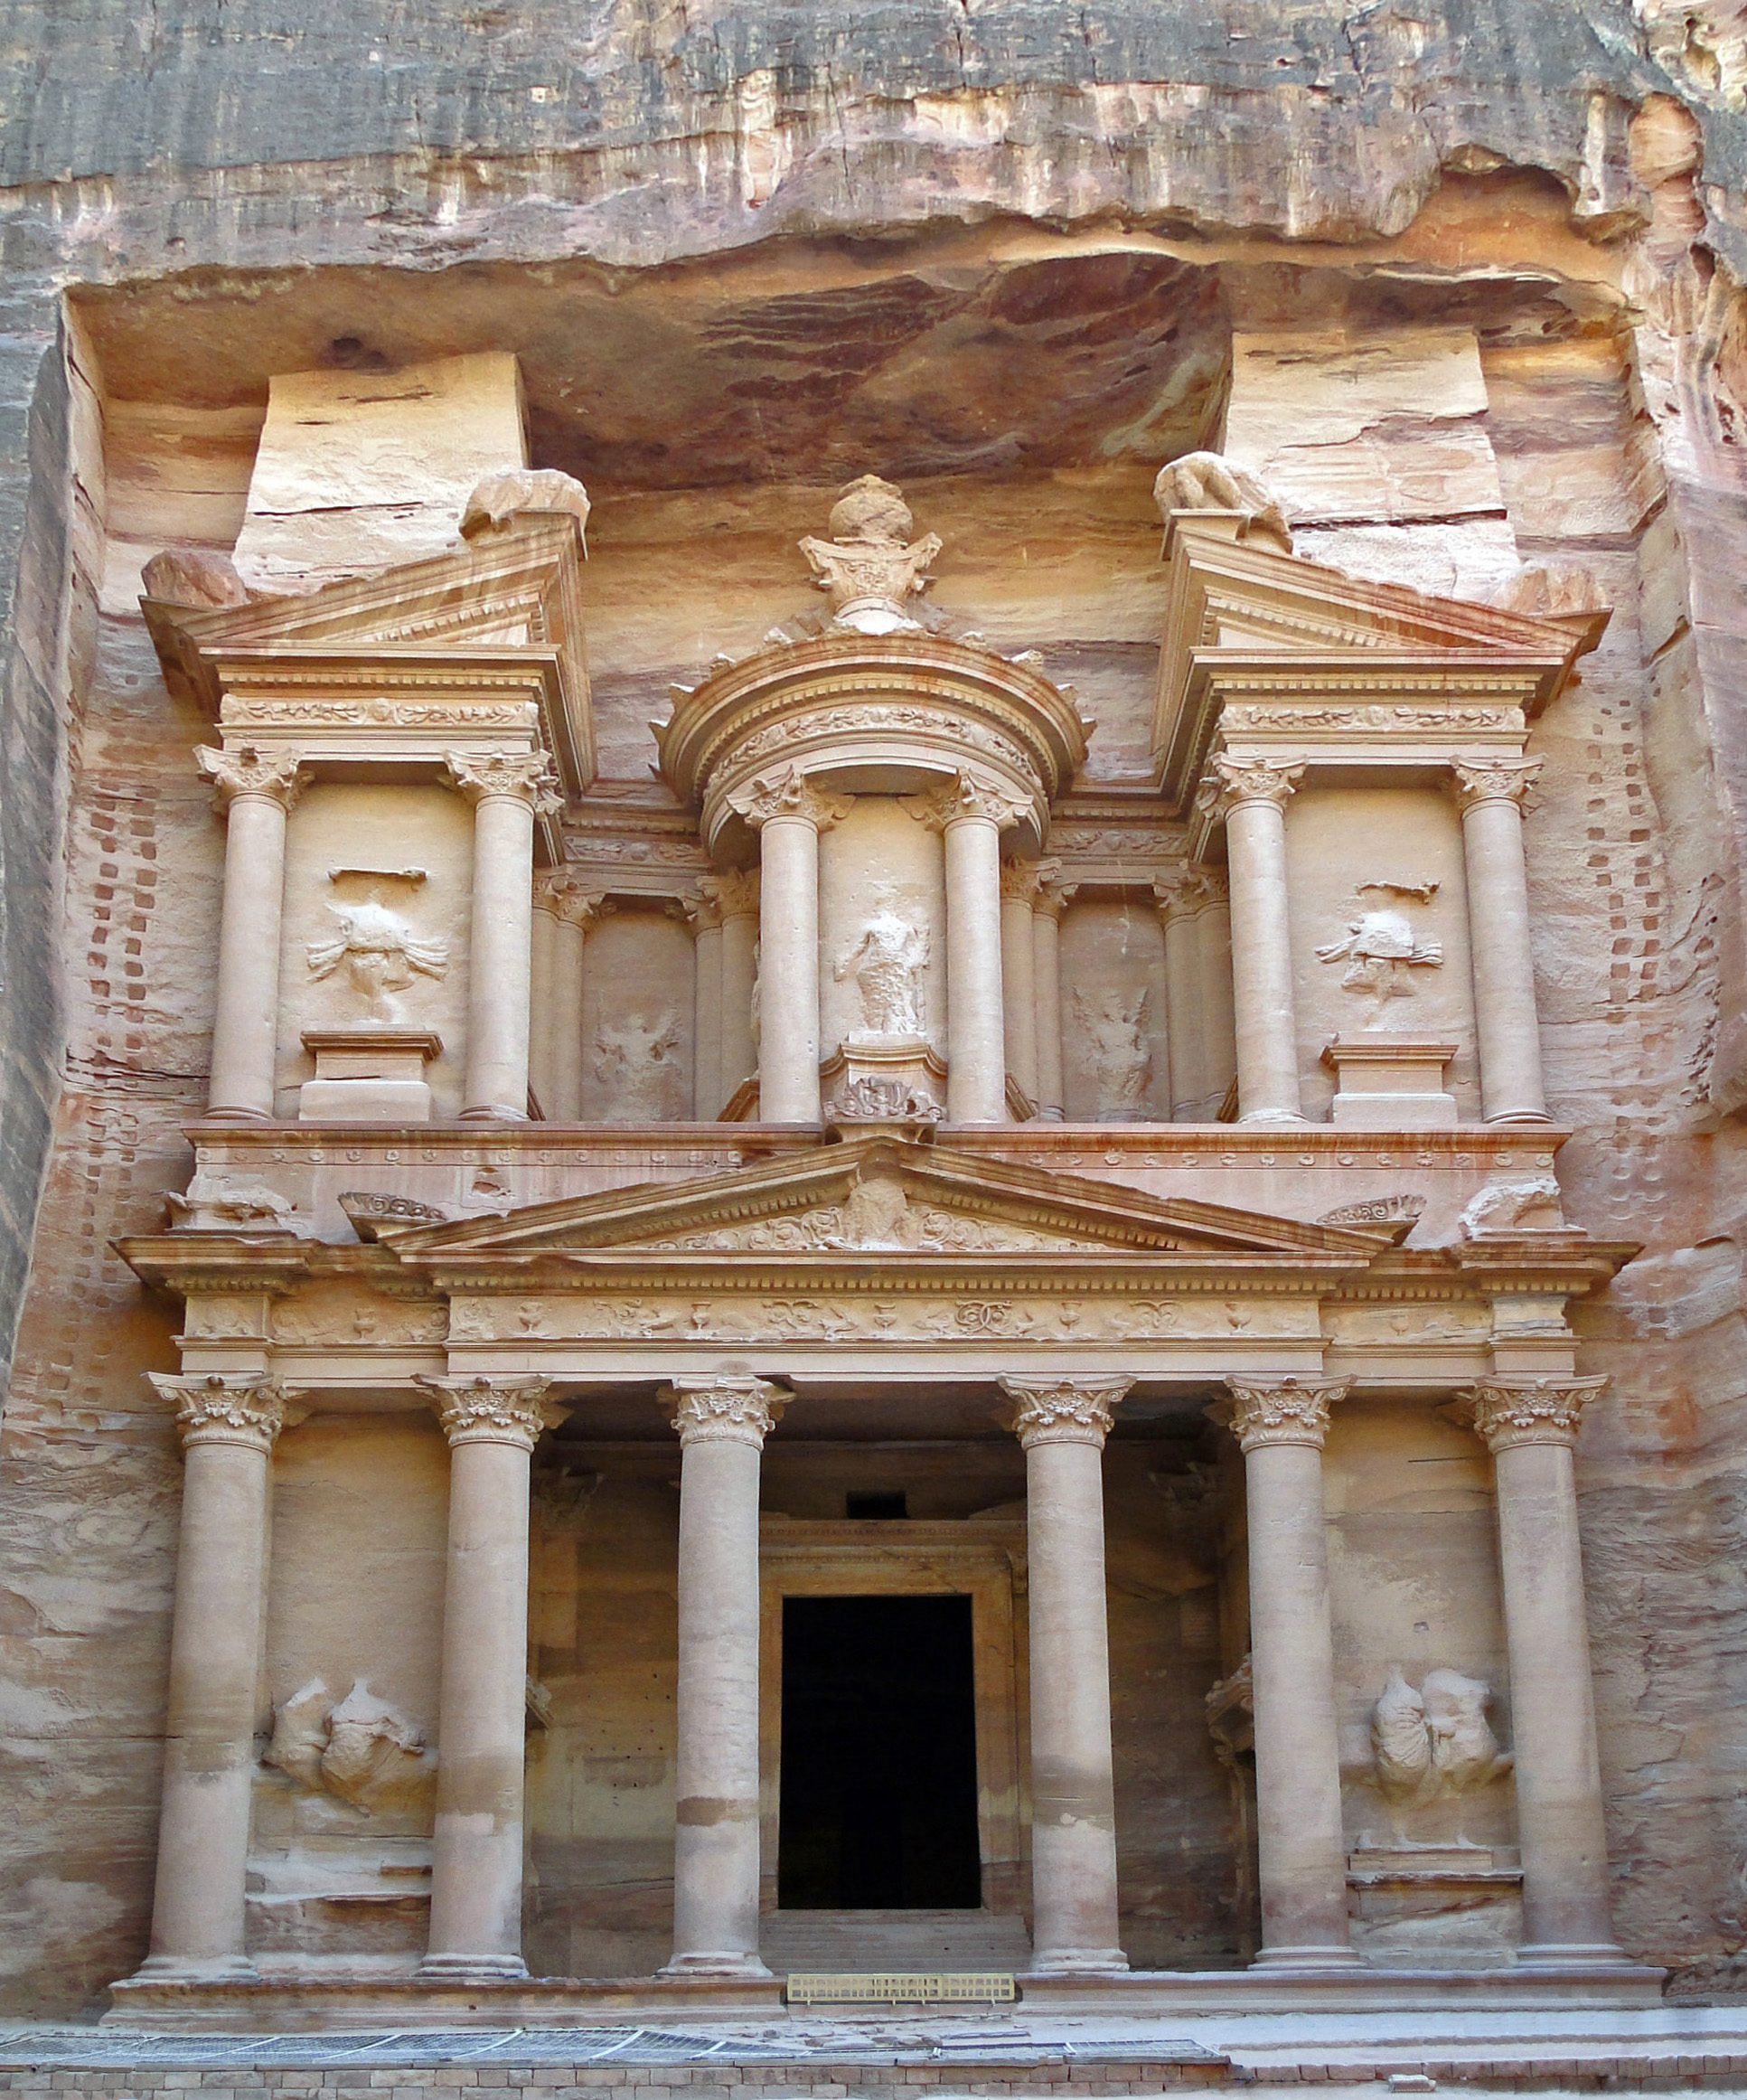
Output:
x=1252 y=796
x=972 y=814
x=789 y=813
x=493 y=1425
x=257 y=791
x=1280 y=1425
x=543 y=1021
x=723 y=1425
x=1489 y=793
x=1048 y=908
x=1530 y=1427
x=1019 y=985
x=1218 y=1024
x=578 y=911
x=1062 y=1426
x=504 y=789
x=228 y=1426
x=736 y=898
x=704 y=916
x=1176 y=897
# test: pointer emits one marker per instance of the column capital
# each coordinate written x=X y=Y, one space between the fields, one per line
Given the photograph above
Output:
x=492 y=1410
x=1053 y=899
x=274 y=775
x=502 y=776
x=966 y=799
x=789 y=794
x=1504 y=1412
x=702 y=912
x=245 y=1409
x=735 y=893
x=1279 y=1410
x=569 y=898
x=1184 y=892
x=1064 y=1410
x=1021 y=881
x=724 y=1410
x=1479 y=780
x=1229 y=783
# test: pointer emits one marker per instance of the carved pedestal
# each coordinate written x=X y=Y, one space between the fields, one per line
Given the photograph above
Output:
x=367 y=1074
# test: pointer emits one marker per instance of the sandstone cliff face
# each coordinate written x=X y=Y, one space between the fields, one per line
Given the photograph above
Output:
x=1463 y=280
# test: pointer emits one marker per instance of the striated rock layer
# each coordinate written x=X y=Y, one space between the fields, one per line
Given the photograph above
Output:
x=1461 y=284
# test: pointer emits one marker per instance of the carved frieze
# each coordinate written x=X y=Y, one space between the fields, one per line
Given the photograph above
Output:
x=345 y=1315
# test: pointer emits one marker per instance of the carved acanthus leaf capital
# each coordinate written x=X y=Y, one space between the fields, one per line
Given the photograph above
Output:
x=1020 y=880
x=789 y=794
x=1231 y=782
x=507 y=775
x=569 y=898
x=276 y=775
x=1053 y=898
x=724 y=1410
x=1481 y=780
x=244 y=1409
x=494 y=1410
x=1506 y=1411
x=736 y=893
x=1064 y=1410
x=968 y=800
x=1279 y=1411
x=1184 y=892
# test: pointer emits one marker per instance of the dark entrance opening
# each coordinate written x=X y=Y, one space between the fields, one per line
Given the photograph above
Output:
x=879 y=1756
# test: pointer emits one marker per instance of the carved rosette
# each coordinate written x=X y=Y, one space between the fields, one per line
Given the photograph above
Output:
x=724 y=1410
x=246 y=1409
x=1286 y=1410
x=1504 y=1412
x=494 y=1410
x=968 y=799
x=1230 y=783
x=1064 y=1410
x=278 y=776
x=501 y=775
x=1479 y=780
x=789 y=794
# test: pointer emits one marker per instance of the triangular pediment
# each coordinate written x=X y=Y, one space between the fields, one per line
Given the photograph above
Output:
x=515 y=591
x=880 y=1196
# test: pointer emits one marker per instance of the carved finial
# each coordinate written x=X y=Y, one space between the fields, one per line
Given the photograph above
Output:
x=869 y=568
x=194 y=577
x=1209 y=481
x=513 y=491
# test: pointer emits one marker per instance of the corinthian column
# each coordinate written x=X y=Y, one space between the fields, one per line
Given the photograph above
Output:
x=492 y=1426
x=736 y=895
x=1062 y=1426
x=1018 y=971
x=1530 y=1427
x=1489 y=793
x=972 y=814
x=257 y=791
x=789 y=813
x=703 y=915
x=228 y=1426
x=1048 y=908
x=578 y=909
x=1252 y=797
x=1280 y=1425
x=504 y=790
x=723 y=1425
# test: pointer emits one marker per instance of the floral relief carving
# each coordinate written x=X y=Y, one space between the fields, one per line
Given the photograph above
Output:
x=278 y=776
x=515 y=776
x=1505 y=1412
x=789 y=794
x=1288 y=1410
x=1481 y=780
x=968 y=800
x=342 y=1316
x=1231 y=782
x=1064 y=1411
x=396 y=714
x=724 y=1410
x=494 y=1410
x=224 y=1407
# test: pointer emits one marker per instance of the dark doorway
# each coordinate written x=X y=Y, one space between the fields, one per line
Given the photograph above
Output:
x=879 y=1756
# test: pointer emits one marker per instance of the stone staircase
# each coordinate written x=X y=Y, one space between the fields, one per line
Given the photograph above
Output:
x=900 y=1941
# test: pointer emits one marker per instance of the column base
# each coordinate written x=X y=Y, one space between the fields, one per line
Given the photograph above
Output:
x=240 y=1116
x=1306 y=1960
x=1078 y=1962
x=495 y=1114
x=1519 y=1116
x=1573 y=1954
x=470 y=1968
x=1280 y=1119
x=742 y=1967
x=185 y=1969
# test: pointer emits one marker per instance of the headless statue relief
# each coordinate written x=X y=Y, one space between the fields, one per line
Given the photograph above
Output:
x=379 y=951
x=1117 y=1052
x=886 y=964
x=1434 y=1741
x=1380 y=947
x=634 y=1057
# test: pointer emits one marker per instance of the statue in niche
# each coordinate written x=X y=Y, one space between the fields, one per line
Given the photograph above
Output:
x=1116 y=1048
x=635 y=1058
x=376 y=945
x=886 y=964
x=360 y=1749
x=1380 y=947
x=1435 y=1741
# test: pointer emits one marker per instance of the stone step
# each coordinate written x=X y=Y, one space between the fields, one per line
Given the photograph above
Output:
x=857 y=1941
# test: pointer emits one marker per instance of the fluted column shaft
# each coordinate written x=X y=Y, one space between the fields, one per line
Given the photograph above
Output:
x=1048 y=908
x=1280 y=1426
x=1530 y=1427
x=257 y=792
x=1062 y=1426
x=736 y=898
x=1506 y=1026
x=723 y=1425
x=1252 y=797
x=504 y=791
x=228 y=1426
x=492 y=1426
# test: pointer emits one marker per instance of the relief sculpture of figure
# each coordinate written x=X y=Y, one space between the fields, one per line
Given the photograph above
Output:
x=380 y=955
x=1380 y=948
x=886 y=964
x=1436 y=1741
x=634 y=1057
x=1117 y=1050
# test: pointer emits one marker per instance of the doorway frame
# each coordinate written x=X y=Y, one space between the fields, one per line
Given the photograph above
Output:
x=900 y=1557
